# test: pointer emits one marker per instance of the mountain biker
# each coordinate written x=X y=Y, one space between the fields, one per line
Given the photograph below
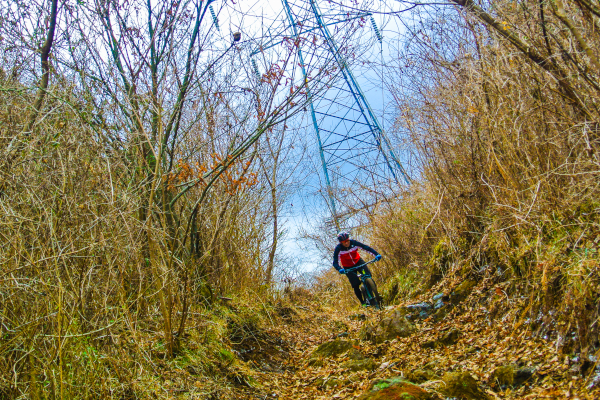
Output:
x=346 y=255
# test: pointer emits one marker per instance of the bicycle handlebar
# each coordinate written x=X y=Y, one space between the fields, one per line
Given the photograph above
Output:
x=346 y=270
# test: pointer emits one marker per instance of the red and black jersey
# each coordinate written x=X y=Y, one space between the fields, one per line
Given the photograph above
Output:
x=346 y=257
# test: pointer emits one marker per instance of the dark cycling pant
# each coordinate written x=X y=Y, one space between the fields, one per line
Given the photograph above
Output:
x=355 y=281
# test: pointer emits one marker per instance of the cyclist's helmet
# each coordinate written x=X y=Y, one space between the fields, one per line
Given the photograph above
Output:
x=343 y=236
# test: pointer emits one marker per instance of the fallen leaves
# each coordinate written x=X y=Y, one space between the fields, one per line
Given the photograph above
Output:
x=483 y=346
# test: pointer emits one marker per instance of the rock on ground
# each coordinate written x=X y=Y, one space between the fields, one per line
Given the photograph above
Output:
x=393 y=325
x=463 y=386
x=397 y=389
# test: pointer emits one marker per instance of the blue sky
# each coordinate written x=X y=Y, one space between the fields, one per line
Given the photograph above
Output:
x=305 y=210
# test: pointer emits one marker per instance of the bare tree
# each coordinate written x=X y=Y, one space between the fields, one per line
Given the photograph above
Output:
x=45 y=65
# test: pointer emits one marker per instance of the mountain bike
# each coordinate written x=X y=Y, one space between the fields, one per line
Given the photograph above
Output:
x=368 y=286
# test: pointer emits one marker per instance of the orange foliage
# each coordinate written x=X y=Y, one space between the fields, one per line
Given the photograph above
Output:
x=235 y=178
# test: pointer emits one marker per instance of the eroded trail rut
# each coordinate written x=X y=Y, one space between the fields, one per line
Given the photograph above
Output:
x=406 y=352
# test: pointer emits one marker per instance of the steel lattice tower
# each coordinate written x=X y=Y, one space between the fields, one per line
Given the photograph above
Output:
x=357 y=159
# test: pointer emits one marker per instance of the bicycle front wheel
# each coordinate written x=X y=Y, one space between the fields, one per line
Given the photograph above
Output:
x=376 y=300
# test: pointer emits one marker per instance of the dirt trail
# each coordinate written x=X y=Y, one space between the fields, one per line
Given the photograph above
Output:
x=283 y=363
x=280 y=357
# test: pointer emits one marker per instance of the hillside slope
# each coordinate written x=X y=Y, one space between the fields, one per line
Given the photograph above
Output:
x=457 y=350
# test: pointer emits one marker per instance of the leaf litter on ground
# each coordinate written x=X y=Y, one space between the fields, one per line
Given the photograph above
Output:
x=483 y=346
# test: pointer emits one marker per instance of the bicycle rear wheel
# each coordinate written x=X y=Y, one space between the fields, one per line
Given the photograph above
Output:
x=372 y=287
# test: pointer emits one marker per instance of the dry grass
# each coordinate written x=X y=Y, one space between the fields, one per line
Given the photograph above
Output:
x=509 y=164
x=99 y=297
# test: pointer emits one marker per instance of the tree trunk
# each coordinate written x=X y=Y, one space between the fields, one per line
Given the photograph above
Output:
x=45 y=56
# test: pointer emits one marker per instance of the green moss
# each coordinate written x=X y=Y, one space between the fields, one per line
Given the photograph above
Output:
x=421 y=375
x=226 y=355
x=359 y=365
x=440 y=261
x=463 y=386
x=385 y=383
x=504 y=375
x=381 y=385
x=333 y=348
